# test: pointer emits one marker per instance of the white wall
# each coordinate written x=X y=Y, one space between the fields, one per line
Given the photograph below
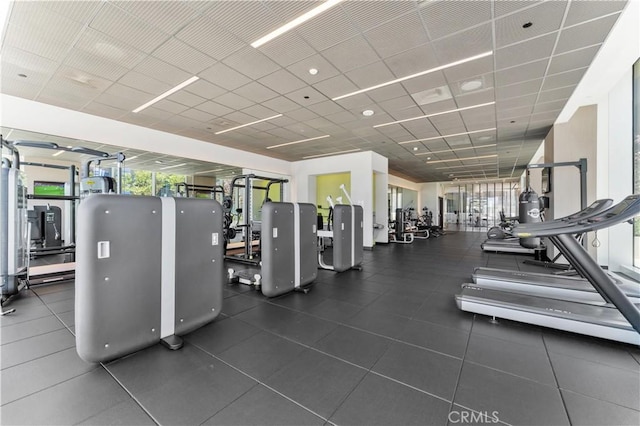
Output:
x=362 y=166
x=24 y=114
x=429 y=193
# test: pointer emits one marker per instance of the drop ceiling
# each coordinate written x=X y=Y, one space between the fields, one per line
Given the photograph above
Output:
x=108 y=57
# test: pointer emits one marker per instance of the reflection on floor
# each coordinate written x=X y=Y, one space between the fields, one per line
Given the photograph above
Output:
x=386 y=345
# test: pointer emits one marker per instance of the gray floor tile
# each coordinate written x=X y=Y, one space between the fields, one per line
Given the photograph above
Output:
x=380 y=401
x=436 y=374
x=464 y=415
x=36 y=347
x=68 y=318
x=194 y=397
x=152 y=367
x=517 y=401
x=334 y=310
x=440 y=308
x=24 y=313
x=522 y=360
x=261 y=406
x=358 y=347
x=398 y=304
x=298 y=301
x=523 y=334
x=619 y=386
x=221 y=334
x=316 y=381
x=238 y=303
x=58 y=296
x=262 y=354
x=68 y=402
x=27 y=329
x=267 y=316
x=33 y=376
x=447 y=340
x=41 y=290
x=383 y=323
x=584 y=410
x=126 y=413
x=591 y=349
x=303 y=328
x=62 y=306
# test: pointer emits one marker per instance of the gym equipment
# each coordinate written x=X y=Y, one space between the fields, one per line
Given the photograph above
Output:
x=90 y=185
x=149 y=269
x=402 y=228
x=347 y=234
x=14 y=243
x=288 y=260
x=618 y=319
x=242 y=190
x=189 y=190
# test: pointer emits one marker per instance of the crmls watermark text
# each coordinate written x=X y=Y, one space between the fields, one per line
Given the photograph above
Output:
x=475 y=417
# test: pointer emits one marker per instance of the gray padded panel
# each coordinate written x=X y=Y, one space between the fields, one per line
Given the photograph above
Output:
x=359 y=236
x=199 y=263
x=308 y=243
x=341 y=237
x=117 y=303
x=278 y=263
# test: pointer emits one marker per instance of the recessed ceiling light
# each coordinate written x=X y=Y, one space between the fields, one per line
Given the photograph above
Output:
x=69 y=146
x=313 y=71
x=22 y=75
x=463 y=159
x=158 y=162
x=428 y=158
x=484 y=138
x=294 y=23
x=415 y=148
x=446 y=136
x=512 y=121
x=398 y=80
x=248 y=124
x=300 y=141
x=470 y=85
x=527 y=24
x=367 y=112
x=435 y=114
x=167 y=93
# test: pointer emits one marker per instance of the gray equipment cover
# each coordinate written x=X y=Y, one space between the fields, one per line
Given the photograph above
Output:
x=118 y=280
x=199 y=265
x=288 y=247
x=348 y=234
x=147 y=268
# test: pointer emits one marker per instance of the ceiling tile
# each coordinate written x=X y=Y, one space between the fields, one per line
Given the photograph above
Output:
x=108 y=48
x=170 y=106
x=214 y=109
x=575 y=59
x=251 y=62
x=186 y=98
x=256 y=92
x=436 y=16
x=145 y=83
x=259 y=112
x=306 y=96
x=32 y=40
x=37 y=69
x=336 y=86
x=183 y=56
x=350 y=54
x=552 y=95
x=528 y=51
x=464 y=44
x=581 y=11
x=122 y=26
x=368 y=14
x=167 y=16
x=205 y=89
x=233 y=101
x=196 y=114
x=281 y=104
x=570 y=78
x=587 y=34
x=388 y=92
x=518 y=89
x=545 y=18
x=370 y=75
x=301 y=69
x=257 y=20
x=95 y=65
x=162 y=71
x=530 y=71
x=287 y=49
x=208 y=37
x=224 y=76
x=282 y=81
x=315 y=31
x=399 y=35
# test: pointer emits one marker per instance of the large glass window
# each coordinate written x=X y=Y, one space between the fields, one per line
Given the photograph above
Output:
x=636 y=158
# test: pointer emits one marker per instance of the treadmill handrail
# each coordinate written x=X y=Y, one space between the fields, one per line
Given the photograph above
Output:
x=596 y=208
x=621 y=212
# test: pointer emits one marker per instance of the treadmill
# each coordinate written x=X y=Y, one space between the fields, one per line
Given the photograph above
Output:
x=555 y=286
x=618 y=319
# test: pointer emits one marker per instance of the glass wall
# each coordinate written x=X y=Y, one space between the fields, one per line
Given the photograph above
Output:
x=477 y=206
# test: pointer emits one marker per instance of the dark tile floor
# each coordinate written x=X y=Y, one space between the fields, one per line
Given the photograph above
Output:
x=385 y=345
